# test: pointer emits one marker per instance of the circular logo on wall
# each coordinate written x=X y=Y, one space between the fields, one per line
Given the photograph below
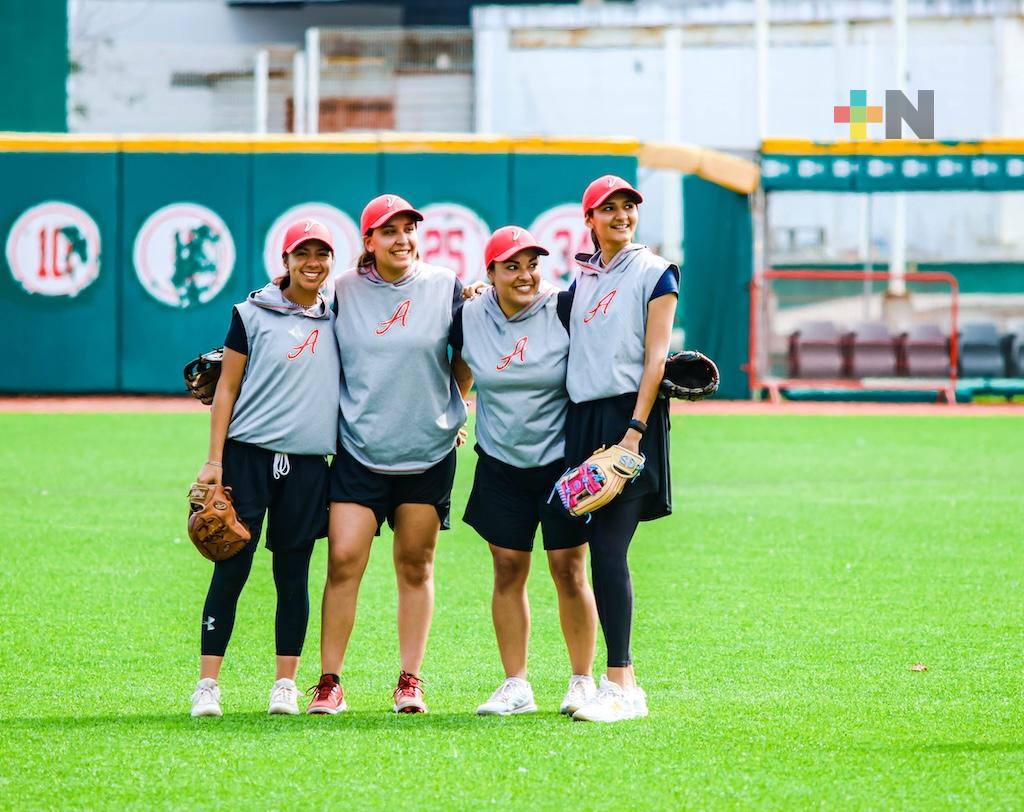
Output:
x=454 y=236
x=343 y=230
x=562 y=231
x=53 y=249
x=184 y=254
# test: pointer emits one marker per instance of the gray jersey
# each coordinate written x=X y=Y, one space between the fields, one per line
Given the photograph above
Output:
x=518 y=364
x=400 y=407
x=608 y=324
x=288 y=401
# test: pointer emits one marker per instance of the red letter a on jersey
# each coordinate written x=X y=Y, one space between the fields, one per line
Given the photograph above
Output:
x=400 y=313
x=309 y=342
x=601 y=305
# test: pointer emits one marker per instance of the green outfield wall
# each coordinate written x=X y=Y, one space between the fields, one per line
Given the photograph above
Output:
x=123 y=257
x=715 y=295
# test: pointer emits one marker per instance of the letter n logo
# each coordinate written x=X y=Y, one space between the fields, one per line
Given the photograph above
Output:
x=399 y=316
x=601 y=305
x=920 y=119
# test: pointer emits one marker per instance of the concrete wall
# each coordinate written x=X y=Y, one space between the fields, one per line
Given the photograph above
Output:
x=127 y=53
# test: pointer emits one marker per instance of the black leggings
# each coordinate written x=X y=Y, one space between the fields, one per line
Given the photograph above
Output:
x=291 y=577
x=610 y=531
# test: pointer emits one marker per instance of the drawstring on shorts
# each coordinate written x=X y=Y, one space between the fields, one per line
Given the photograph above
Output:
x=281 y=465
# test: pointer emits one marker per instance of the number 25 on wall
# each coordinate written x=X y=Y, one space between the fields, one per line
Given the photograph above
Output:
x=445 y=247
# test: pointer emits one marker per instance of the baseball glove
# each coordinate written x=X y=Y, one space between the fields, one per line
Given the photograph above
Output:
x=202 y=374
x=213 y=525
x=690 y=375
x=598 y=479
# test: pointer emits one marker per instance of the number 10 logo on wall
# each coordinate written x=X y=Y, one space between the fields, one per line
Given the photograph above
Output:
x=53 y=249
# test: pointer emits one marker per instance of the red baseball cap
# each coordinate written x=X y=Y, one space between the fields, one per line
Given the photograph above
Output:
x=304 y=230
x=508 y=241
x=601 y=189
x=381 y=209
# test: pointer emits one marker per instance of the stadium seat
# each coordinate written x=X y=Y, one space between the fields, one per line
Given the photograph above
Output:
x=924 y=352
x=870 y=351
x=1012 y=345
x=979 y=354
x=814 y=351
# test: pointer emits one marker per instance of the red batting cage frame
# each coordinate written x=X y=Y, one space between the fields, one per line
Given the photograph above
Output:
x=773 y=364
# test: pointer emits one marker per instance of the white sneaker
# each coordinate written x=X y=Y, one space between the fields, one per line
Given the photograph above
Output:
x=514 y=695
x=613 y=703
x=206 y=699
x=284 y=698
x=639 y=703
x=581 y=691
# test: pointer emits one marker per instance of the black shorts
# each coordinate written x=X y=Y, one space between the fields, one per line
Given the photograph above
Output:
x=351 y=481
x=507 y=503
x=595 y=423
x=292 y=488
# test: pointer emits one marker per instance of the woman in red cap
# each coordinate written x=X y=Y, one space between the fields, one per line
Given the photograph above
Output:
x=273 y=422
x=393 y=464
x=514 y=339
x=620 y=328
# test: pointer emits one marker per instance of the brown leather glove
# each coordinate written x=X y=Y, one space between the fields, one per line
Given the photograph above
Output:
x=690 y=375
x=202 y=374
x=213 y=524
x=598 y=479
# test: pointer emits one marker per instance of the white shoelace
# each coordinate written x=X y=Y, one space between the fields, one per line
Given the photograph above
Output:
x=285 y=693
x=282 y=466
x=504 y=691
x=578 y=687
x=205 y=694
x=609 y=692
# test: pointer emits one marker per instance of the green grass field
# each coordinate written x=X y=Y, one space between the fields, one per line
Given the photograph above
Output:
x=809 y=563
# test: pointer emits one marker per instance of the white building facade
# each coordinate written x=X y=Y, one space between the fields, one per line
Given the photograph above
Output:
x=688 y=72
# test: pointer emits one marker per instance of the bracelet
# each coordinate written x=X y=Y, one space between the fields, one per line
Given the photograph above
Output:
x=637 y=425
x=215 y=464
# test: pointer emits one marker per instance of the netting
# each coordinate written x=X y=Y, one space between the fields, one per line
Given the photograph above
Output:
x=405 y=79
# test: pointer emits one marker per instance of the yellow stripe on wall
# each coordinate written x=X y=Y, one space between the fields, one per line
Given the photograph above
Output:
x=906 y=146
x=372 y=142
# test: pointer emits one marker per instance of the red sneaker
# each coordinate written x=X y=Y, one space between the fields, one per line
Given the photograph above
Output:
x=409 y=694
x=328 y=697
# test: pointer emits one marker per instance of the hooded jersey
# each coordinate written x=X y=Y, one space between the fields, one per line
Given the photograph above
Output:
x=400 y=407
x=608 y=324
x=518 y=365
x=288 y=400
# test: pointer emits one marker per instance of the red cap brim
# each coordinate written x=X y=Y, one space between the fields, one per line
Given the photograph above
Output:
x=390 y=214
x=639 y=198
x=307 y=238
x=515 y=249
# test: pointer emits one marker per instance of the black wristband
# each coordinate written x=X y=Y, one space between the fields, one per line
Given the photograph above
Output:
x=637 y=425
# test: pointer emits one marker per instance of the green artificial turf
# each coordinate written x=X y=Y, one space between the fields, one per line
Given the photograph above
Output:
x=810 y=562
